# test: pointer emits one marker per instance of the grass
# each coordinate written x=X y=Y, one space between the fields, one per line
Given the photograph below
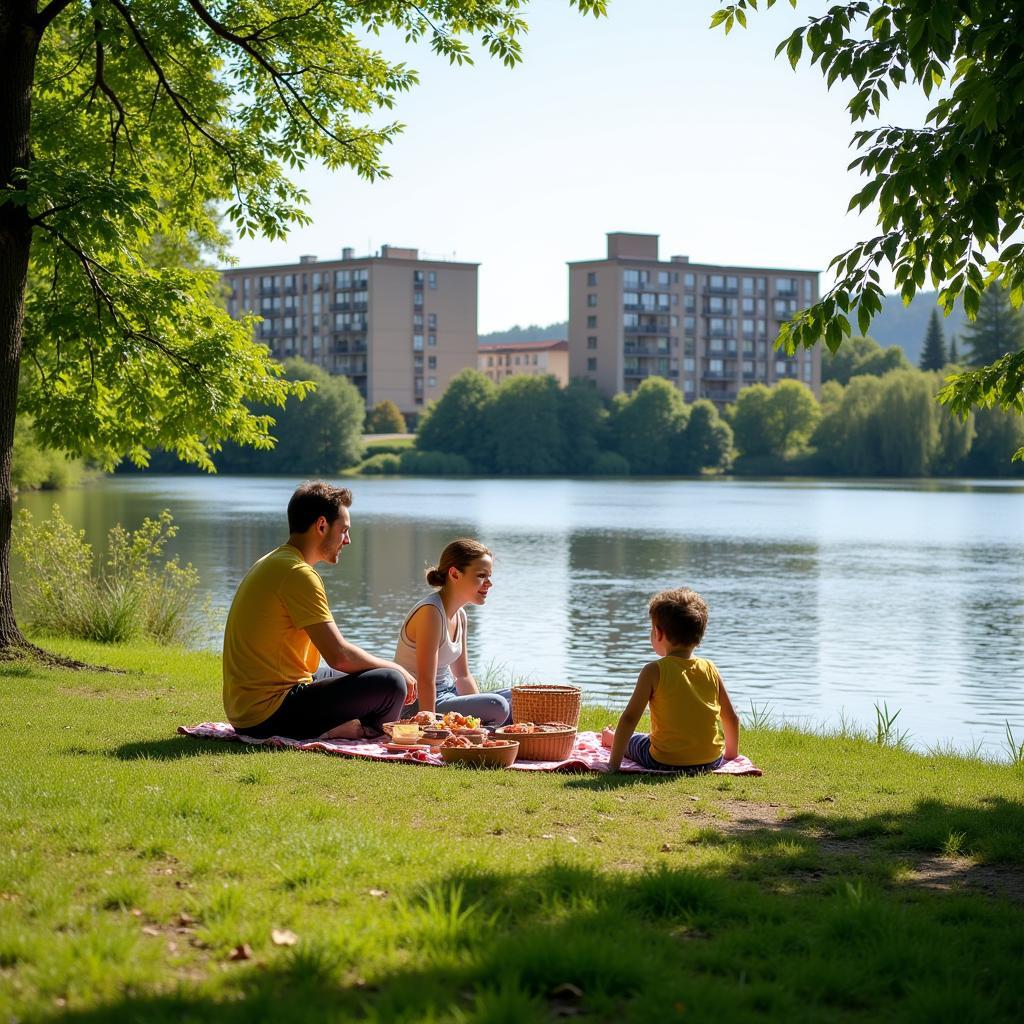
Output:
x=136 y=864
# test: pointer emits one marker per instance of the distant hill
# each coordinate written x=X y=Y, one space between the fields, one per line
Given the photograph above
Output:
x=553 y=332
x=895 y=325
x=906 y=325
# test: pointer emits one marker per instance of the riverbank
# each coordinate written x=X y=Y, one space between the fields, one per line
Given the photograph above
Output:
x=146 y=875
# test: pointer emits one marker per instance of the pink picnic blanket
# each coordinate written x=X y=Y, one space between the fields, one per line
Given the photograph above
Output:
x=587 y=753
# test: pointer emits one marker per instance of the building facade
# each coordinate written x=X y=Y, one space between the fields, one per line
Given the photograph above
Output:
x=397 y=326
x=708 y=329
x=532 y=358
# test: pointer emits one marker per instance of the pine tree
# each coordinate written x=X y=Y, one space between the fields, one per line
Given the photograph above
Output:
x=954 y=355
x=933 y=354
x=998 y=329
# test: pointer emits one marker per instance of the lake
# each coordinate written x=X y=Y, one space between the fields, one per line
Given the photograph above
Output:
x=825 y=597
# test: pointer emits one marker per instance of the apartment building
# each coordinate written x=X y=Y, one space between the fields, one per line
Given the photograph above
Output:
x=709 y=329
x=397 y=326
x=499 y=360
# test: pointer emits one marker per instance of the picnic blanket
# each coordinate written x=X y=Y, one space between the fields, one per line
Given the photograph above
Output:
x=587 y=753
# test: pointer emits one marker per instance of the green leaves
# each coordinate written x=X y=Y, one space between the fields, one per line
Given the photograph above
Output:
x=949 y=195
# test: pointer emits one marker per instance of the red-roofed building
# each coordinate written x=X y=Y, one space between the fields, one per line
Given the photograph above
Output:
x=534 y=358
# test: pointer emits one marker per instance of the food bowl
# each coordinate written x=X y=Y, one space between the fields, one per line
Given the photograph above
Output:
x=555 y=743
x=475 y=736
x=481 y=757
x=434 y=737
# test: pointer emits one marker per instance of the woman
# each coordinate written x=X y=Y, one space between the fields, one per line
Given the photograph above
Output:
x=432 y=640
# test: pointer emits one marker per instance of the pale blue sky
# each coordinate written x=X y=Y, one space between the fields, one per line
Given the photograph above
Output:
x=643 y=121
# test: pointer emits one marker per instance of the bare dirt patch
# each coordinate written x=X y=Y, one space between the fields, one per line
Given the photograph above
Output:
x=934 y=872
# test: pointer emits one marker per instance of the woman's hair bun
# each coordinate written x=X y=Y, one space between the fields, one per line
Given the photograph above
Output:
x=435 y=577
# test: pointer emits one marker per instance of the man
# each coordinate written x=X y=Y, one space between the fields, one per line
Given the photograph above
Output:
x=280 y=625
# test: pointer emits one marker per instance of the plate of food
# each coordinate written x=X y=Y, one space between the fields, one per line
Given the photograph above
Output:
x=488 y=754
x=544 y=741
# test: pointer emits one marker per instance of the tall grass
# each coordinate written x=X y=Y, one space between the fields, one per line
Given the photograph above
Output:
x=130 y=593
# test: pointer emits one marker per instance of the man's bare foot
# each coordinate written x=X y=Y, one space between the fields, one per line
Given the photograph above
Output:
x=351 y=730
x=607 y=735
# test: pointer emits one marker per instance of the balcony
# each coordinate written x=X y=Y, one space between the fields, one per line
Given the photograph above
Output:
x=724 y=289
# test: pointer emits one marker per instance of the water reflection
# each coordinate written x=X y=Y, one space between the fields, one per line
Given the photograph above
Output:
x=824 y=597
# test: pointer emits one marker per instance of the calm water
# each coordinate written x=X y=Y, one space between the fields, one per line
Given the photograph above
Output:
x=824 y=597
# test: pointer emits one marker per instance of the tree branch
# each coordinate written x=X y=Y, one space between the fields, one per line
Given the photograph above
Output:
x=42 y=20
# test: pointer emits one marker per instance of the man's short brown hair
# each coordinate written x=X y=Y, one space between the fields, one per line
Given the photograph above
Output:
x=682 y=615
x=314 y=499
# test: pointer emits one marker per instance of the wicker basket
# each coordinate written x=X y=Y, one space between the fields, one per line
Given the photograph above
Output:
x=544 y=702
x=542 y=746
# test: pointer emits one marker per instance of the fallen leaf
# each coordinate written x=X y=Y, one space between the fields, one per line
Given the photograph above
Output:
x=243 y=951
x=666 y=848
x=572 y=839
x=379 y=893
x=283 y=937
x=148 y=929
x=546 y=835
x=693 y=798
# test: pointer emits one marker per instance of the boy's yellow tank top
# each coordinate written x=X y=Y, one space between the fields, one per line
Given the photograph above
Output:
x=686 y=717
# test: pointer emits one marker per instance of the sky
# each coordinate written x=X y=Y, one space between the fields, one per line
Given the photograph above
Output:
x=645 y=121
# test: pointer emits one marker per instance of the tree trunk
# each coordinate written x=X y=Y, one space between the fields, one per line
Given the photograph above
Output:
x=19 y=43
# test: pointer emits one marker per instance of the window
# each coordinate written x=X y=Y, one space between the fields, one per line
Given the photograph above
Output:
x=591 y=321
x=807 y=290
x=689 y=302
x=780 y=367
x=716 y=281
x=591 y=300
x=359 y=296
x=432 y=280
x=688 y=364
x=432 y=340
x=431 y=382
x=417 y=342
x=592 y=364
x=689 y=325
x=635 y=278
x=517 y=360
x=748 y=286
x=490 y=360
x=689 y=280
x=417 y=320
x=342 y=278
x=591 y=279
x=417 y=278
x=748 y=367
x=591 y=342
x=630 y=320
x=762 y=286
x=716 y=366
x=749 y=305
x=431 y=362
x=688 y=386
x=417 y=300
x=432 y=320
x=663 y=277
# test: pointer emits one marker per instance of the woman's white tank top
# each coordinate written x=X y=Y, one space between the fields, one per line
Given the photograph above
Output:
x=448 y=650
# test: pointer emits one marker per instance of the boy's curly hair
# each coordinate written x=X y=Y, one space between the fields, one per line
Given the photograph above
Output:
x=682 y=615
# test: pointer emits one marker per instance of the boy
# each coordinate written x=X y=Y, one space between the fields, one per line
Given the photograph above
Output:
x=694 y=728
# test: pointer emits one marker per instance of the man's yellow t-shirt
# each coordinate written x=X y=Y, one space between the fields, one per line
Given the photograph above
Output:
x=266 y=648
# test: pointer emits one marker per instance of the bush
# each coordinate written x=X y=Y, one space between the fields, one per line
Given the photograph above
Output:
x=382 y=464
x=388 y=447
x=129 y=595
x=385 y=418
x=34 y=467
x=417 y=463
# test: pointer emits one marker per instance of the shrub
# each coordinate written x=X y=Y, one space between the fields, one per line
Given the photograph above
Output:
x=382 y=464
x=385 y=418
x=417 y=463
x=128 y=595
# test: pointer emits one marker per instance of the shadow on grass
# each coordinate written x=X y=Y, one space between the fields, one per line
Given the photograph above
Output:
x=178 y=747
x=989 y=833
x=666 y=944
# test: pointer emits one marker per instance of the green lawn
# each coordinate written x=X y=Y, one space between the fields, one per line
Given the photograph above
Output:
x=851 y=882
